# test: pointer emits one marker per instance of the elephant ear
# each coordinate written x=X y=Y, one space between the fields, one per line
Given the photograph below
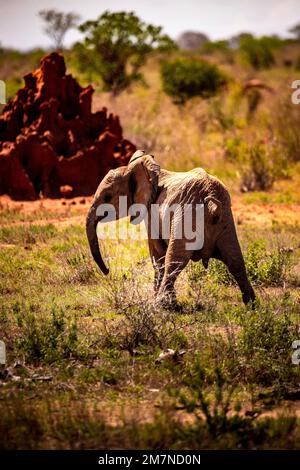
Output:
x=214 y=209
x=143 y=178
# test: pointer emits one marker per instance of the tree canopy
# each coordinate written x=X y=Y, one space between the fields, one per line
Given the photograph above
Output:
x=296 y=31
x=117 y=44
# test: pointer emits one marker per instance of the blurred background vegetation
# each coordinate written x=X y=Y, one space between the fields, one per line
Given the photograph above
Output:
x=225 y=105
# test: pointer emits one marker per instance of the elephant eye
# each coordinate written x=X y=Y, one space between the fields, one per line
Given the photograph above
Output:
x=107 y=198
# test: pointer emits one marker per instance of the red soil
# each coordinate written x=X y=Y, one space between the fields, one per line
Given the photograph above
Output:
x=70 y=211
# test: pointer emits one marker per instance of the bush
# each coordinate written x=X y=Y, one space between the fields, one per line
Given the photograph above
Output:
x=259 y=172
x=216 y=410
x=45 y=339
x=267 y=268
x=143 y=323
x=264 y=268
x=257 y=52
x=265 y=348
x=185 y=78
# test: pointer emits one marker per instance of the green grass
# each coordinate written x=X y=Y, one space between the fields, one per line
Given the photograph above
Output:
x=98 y=338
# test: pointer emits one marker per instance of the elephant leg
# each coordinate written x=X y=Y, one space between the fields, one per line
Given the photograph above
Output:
x=177 y=257
x=230 y=253
x=157 y=251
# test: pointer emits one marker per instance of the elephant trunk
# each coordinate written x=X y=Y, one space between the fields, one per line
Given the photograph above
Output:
x=91 y=231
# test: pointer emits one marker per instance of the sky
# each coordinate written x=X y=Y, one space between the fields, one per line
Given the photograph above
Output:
x=21 y=27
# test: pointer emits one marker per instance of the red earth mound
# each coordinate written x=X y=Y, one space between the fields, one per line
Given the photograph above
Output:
x=51 y=144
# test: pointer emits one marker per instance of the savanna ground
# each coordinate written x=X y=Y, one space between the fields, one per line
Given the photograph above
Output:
x=82 y=348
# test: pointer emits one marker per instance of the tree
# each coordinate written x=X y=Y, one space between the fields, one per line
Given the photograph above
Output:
x=57 y=25
x=296 y=31
x=215 y=46
x=191 y=40
x=235 y=41
x=117 y=45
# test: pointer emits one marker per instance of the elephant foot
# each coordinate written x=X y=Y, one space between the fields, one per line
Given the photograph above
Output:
x=249 y=298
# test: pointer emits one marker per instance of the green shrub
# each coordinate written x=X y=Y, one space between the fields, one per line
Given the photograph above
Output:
x=257 y=52
x=216 y=410
x=266 y=268
x=265 y=348
x=185 y=78
x=45 y=339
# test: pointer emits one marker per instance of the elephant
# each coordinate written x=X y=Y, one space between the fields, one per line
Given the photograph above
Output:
x=142 y=181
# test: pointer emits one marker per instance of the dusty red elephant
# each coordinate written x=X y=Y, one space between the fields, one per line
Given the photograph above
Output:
x=144 y=182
